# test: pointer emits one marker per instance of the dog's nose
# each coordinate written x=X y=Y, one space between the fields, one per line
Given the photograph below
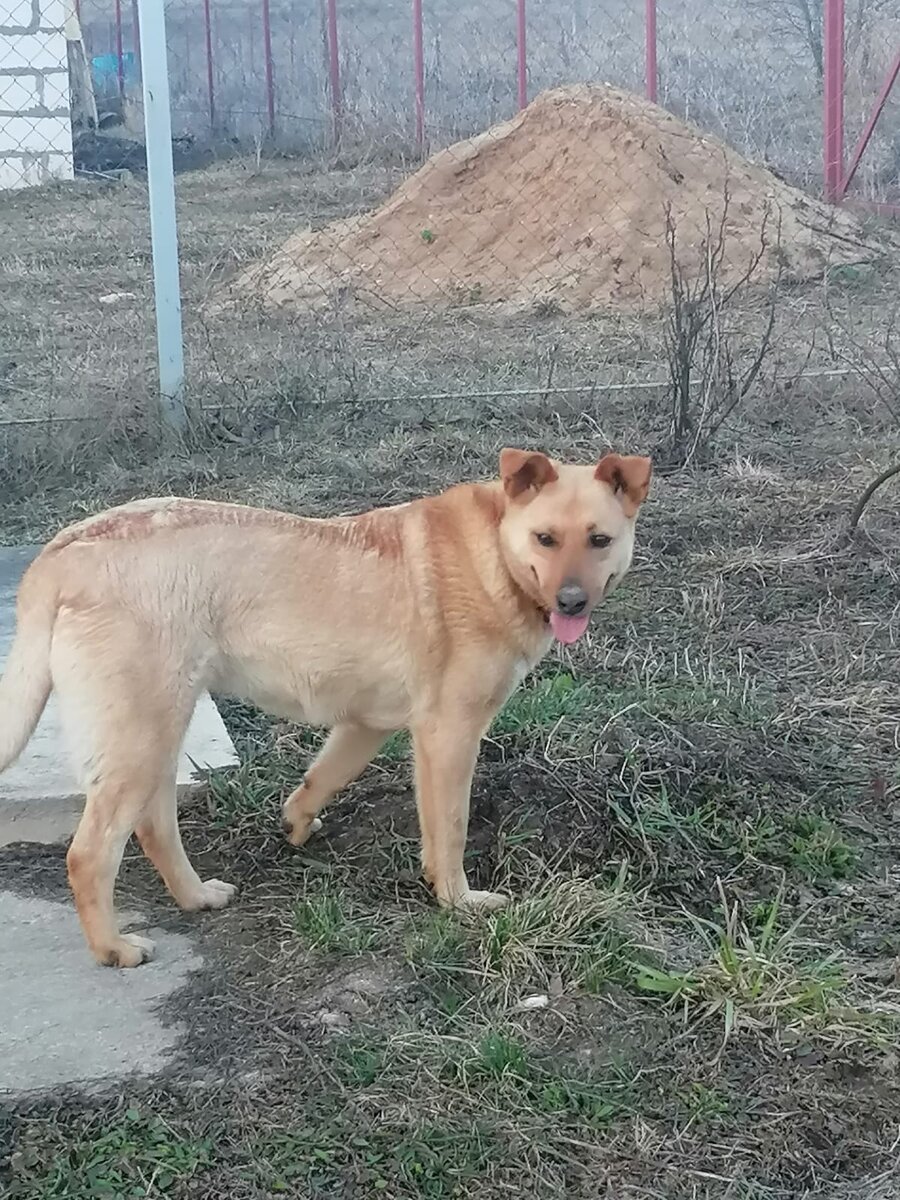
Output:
x=571 y=600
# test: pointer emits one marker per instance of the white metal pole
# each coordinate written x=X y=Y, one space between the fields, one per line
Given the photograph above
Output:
x=163 y=230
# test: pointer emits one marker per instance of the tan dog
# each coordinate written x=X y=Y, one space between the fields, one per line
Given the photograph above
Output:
x=424 y=616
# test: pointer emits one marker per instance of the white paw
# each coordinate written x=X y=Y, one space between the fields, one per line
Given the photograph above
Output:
x=214 y=893
x=473 y=901
x=128 y=950
x=298 y=831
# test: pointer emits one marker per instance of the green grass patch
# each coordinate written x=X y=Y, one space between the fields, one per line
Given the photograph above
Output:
x=397 y=747
x=359 y=1061
x=543 y=702
x=572 y=933
x=703 y=1104
x=422 y=1161
x=501 y=1070
x=581 y=708
x=804 y=842
x=757 y=976
x=816 y=848
x=329 y=919
x=135 y=1155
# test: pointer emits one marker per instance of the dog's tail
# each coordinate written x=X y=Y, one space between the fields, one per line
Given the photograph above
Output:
x=27 y=682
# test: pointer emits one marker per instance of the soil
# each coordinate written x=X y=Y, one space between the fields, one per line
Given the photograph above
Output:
x=565 y=206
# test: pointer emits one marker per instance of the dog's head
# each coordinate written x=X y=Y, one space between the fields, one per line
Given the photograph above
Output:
x=568 y=532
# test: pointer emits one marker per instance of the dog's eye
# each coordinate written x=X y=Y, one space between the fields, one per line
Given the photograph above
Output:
x=546 y=540
x=599 y=541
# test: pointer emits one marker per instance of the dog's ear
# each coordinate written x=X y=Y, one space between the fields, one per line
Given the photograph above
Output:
x=629 y=477
x=522 y=470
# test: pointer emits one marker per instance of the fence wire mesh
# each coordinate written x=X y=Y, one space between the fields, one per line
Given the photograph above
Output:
x=365 y=212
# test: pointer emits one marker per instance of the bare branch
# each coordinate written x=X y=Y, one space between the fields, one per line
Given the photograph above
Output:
x=867 y=495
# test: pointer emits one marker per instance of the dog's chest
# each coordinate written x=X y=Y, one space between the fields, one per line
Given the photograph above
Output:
x=523 y=663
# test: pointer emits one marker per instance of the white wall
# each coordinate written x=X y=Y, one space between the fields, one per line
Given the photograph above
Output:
x=35 y=127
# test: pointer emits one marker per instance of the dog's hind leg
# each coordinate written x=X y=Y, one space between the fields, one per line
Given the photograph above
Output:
x=124 y=710
x=347 y=752
x=114 y=802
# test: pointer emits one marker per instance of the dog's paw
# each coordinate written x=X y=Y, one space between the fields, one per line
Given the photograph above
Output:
x=299 y=830
x=481 y=902
x=213 y=893
x=128 y=950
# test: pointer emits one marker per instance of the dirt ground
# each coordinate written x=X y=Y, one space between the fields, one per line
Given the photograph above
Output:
x=698 y=808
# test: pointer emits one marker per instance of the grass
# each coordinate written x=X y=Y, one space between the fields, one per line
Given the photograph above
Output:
x=749 y=978
x=568 y=933
x=327 y=919
x=818 y=850
x=559 y=703
x=544 y=704
x=423 y=1161
x=137 y=1154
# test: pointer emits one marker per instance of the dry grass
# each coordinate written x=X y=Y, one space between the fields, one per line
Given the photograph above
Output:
x=697 y=807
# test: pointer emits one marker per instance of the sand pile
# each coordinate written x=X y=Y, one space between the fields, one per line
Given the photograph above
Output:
x=566 y=203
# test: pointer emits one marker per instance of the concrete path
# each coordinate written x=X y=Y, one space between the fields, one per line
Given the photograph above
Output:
x=66 y=1021
x=40 y=799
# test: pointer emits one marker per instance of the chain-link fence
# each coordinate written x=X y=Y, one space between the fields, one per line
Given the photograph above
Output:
x=296 y=73
x=366 y=210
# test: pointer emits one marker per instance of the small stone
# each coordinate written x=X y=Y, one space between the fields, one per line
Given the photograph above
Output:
x=533 y=1002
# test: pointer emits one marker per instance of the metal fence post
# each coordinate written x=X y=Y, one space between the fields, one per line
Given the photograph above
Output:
x=833 y=99
x=652 y=65
x=163 y=229
x=270 y=69
x=522 y=53
x=334 y=72
x=136 y=38
x=210 y=72
x=419 y=73
x=120 y=52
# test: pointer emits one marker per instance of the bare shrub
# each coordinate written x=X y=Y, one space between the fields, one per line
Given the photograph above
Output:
x=708 y=377
x=876 y=364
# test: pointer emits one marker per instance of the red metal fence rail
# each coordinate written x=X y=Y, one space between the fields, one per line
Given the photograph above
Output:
x=865 y=137
x=231 y=75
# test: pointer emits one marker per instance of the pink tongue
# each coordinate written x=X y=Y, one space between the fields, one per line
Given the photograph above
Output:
x=568 y=629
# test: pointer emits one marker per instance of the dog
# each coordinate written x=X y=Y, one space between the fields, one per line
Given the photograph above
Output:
x=423 y=616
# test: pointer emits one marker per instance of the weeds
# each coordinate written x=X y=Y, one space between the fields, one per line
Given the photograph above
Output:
x=136 y=1154
x=421 y=1161
x=544 y=704
x=817 y=849
x=330 y=921
x=757 y=978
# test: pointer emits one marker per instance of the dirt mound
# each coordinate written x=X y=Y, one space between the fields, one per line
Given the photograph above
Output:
x=565 y=204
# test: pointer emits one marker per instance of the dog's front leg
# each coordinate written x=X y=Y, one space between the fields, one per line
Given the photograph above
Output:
x=446 y=750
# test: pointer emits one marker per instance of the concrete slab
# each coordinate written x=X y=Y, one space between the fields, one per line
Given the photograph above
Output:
x=40 y=798
x=65 y=1020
